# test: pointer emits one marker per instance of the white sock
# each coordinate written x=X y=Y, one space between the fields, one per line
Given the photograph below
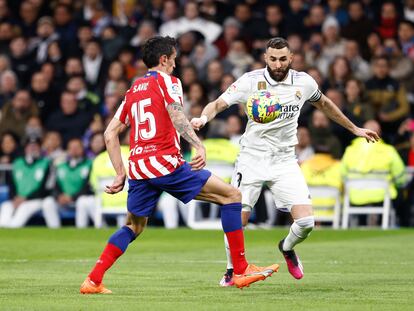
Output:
x=298 y=232
x=227 y=248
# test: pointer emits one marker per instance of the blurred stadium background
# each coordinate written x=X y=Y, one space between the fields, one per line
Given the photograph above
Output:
x=64 y=68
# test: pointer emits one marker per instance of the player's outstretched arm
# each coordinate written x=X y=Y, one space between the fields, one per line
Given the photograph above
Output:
x=334 y=113
x=209 y=112
x=115 y=127
x=181 y=124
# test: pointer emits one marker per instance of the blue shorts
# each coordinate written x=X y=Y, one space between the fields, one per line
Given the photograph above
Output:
x=183 y=183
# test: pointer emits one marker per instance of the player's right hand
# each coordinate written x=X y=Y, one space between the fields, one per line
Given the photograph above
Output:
x=199 y=160
x=197 y=123
x=117 y=185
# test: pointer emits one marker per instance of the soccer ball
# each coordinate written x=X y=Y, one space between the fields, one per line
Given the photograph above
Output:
x=263 y=107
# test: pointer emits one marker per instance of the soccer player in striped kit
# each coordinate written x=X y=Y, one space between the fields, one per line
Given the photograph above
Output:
x=153 y=108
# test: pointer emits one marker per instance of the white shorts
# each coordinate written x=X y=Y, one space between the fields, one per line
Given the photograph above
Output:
x=279 y=171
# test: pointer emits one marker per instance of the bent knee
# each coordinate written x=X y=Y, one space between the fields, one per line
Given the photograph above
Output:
x=234 y=196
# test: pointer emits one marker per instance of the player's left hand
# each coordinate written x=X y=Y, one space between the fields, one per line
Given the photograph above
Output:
x=117 y=185
x=369 y=135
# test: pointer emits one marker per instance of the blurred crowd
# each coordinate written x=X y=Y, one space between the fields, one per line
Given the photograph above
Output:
x=65 y=66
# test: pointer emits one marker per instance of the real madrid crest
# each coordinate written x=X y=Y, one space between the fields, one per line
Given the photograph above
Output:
x=261 y=85
x=298 y=95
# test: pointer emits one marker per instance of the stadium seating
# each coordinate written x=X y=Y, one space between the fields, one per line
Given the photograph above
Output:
x=366 y=184
x=326 y=204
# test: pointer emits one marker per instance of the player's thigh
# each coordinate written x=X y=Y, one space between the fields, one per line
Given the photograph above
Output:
x=217 y=191
x=249 y=183
x=289 y=187
x=142 y=198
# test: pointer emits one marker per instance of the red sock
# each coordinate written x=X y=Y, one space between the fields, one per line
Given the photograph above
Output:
x=236 y=245
x=107 y=259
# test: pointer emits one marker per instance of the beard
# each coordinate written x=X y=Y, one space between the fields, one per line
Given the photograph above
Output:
x=278 y=74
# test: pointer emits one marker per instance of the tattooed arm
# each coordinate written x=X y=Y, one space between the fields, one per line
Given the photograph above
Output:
x=183 y=126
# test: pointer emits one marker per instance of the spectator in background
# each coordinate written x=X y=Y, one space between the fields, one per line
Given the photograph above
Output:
x=96 y=145
x=126 y=57
x=202 y=54
x=189 y=76
x=145 y=30
x=112 y=42
x=28 y=14
x=339 y=72
x=359 y=67
x=94 y=64
x=9 y=147
x=231 y=31
x=169 y=16
x=238 y=58
x=298 y=21
x=275 y=22
x=7 y=33
x=401 y=67
x=251 y=27
x=358 y=27
x=321 y=133
x=84 y=34
x=72 y=188
x=379 y=160
x=191 y=21
x=334 y=45
x=334 y=8
x=44 y=96
x=388 y=98
x=115 y=74
x=34 y=127
x=52 y=147
x=65 y=25
x=406 y=37
x=30 y=175
x=304 y=149
x=21 y=61
x=69 y=120
x=356 y=103
x=89 y=102
x=45 y=36
x=15 y=114
x=234 y=129
x=388 y=22
x=213 y=79
x=375 y=47
x=8 y=86
x=409 y=10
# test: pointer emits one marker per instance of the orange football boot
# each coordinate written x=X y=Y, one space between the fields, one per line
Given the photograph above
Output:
x=253 y=274
x=89 y=287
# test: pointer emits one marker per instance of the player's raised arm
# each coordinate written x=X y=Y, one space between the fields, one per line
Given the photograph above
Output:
x=115 y=127
x=209 y=112
x=334 y=113
x=183 y=126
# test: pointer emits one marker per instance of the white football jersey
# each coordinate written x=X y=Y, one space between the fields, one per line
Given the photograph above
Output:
x=292 y=93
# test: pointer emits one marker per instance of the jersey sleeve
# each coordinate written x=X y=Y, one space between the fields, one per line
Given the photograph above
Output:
x=312 y=90
x=238 y=92
x=171 y=89
x=122 y=112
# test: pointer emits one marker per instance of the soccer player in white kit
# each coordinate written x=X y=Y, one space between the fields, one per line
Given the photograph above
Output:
x=267 y=149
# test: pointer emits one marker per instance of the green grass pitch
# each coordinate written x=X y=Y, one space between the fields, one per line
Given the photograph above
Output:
x=42 y=269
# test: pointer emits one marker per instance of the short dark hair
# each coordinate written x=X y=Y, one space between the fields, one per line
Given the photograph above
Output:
x=277 y=43
x=156 y=47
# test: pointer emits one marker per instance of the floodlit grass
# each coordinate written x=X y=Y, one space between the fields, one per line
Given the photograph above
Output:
x=42 y=269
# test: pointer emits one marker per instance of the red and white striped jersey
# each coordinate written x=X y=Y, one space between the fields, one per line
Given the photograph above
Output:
x=154 y=142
